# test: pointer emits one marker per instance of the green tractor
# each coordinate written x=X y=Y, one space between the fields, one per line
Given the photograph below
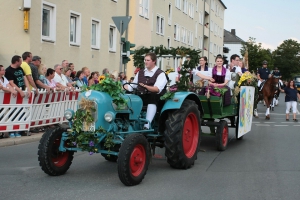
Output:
x=116 y=132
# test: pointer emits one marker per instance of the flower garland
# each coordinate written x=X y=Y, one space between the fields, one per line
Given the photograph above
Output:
x=81 y=136
x=169 y=71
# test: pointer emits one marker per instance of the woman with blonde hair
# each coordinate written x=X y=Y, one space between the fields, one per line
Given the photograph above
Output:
x=42 y=72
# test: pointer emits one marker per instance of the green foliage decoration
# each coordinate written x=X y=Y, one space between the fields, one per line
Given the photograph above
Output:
x=190 y=63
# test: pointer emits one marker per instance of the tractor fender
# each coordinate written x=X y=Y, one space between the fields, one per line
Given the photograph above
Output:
x=178 y=99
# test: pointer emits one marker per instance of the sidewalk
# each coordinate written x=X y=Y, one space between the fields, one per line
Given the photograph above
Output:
x=4 y=142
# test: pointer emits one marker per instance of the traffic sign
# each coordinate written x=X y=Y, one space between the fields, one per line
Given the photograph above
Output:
x=121 y=23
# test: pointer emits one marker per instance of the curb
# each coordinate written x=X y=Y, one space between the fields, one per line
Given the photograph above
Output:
x=22 y=140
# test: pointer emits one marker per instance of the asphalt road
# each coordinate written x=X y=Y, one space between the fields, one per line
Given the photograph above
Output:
x=264 y=165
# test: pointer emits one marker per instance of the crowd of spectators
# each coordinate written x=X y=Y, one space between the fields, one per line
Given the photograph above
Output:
x=29 y=73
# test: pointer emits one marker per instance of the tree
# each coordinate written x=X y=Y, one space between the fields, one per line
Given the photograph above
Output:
x=287 y=59
x=256 y=54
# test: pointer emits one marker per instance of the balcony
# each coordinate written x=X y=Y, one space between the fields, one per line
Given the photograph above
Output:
x=206 y=32
x=206 y=8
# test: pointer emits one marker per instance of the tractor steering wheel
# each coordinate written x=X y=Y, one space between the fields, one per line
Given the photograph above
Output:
x=134 y=89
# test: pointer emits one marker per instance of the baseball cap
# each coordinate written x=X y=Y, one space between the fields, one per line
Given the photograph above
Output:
x=264 y=62
x=34 y=58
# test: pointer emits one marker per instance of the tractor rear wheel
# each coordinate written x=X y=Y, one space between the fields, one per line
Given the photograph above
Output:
x=222 y=135
x=133 y=159
x=52 y=161
x=182 y=135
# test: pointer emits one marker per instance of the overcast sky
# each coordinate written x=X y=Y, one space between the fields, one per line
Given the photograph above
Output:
x=269 y=21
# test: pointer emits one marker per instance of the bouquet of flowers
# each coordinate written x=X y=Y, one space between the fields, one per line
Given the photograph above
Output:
x=248 y=79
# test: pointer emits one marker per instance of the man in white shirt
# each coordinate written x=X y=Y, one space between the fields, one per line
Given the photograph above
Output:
x=60 y=79
x=152 y=83
x=235 y=59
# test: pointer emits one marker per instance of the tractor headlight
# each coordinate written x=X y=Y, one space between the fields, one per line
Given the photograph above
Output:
x=69 y=114
x=109 y=116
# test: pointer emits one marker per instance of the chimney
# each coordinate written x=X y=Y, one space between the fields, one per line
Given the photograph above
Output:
x=233 y=31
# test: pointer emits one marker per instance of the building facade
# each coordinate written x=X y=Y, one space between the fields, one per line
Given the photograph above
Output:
x=84 y=33
x=233 y=43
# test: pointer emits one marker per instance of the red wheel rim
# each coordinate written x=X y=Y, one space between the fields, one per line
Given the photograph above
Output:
x=225 y=136
x=58 y=158
x=137 y=160
x=190 y=135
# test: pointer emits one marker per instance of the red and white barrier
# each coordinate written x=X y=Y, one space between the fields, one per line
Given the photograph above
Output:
x=21 y=114
x=47 y=108
x=15 y=112
x=70 y=102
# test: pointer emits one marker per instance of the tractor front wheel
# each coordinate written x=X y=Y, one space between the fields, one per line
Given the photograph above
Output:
x=182 y=135
x=52 y=161
x=133 y=159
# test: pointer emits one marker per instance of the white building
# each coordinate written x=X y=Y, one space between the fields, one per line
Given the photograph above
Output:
x=233 y=43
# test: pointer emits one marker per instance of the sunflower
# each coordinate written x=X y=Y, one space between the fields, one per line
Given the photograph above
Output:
x=101 y=78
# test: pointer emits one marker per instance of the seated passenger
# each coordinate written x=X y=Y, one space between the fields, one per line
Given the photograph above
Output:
x=221 y=77
x=152 y=85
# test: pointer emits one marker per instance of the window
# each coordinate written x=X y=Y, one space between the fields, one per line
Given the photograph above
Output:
x=49 y=22
x=211 y=26
x=197 y=5
x=168 y=43
x=75 y=28
x=160 y=24
x=144 y=8
x=191 y=10
x=176 y=32
x=200 y=43
x=170 y=15
x=112 y=38
x=211 y=46
x=201 y=17
x=183 y=35
x=215 y=49
x=196 y=29
x=95 y=40
x=184 y=6
x=178 y=4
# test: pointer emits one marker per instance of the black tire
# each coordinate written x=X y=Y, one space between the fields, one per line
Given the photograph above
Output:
x=222 y=135
x=237 y=130
x=133 y=160
x=110 y=158
x=182 y=148
x=52 y=161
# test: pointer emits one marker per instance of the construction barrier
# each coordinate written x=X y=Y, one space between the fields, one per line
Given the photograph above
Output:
x=21 y=114
x=15 y=112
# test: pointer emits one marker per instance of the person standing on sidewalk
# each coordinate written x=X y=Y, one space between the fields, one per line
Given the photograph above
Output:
x=291 y=95
x=17 y=79
x=27 y=58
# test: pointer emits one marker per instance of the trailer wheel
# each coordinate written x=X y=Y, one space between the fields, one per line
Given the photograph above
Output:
x=222 y=135
x=182 y=135
x=133 y=160
x=237 y=130
x=52 y=161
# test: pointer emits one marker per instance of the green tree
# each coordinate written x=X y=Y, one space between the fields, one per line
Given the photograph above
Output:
x=287 y=59
x=256 y=54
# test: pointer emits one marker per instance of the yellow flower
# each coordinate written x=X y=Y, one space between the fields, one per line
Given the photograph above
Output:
x=169 y=70
x=101 y=78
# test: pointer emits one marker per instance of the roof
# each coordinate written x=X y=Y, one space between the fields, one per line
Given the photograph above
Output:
x=231 y=38
x=223 y=4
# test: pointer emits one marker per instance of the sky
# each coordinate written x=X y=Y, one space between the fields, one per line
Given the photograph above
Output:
x=269 y=21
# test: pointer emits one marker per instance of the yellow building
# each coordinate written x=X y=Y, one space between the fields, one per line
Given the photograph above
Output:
x=84 y=33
